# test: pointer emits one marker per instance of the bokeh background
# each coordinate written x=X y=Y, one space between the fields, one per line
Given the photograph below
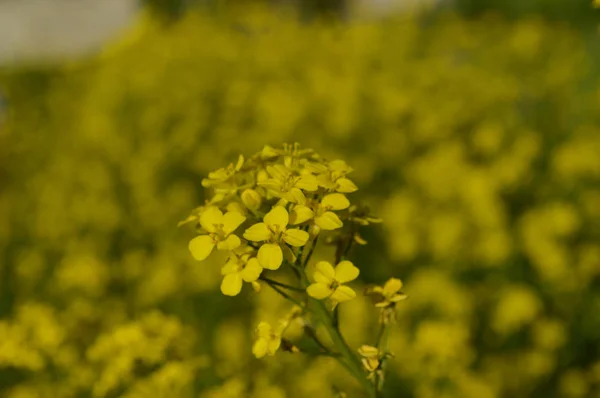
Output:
x=474 y=130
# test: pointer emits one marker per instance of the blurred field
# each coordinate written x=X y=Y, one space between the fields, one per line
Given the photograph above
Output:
x=476 y=140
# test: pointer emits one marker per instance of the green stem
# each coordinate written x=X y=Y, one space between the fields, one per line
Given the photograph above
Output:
x=279 y=284
x=285 y=295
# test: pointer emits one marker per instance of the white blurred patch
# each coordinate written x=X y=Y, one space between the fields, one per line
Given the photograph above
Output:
x=381 y=8
x=54 y=29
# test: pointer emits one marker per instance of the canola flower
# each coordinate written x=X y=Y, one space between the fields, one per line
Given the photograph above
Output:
x=283 y=199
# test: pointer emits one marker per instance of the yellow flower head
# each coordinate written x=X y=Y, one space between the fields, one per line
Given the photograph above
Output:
x=239 y=267
x=329 y=281
x=219 y=177
x=321 y=212
x=285 y=184
x=273 y=230
x=333 y=177
x=268 y=340
x=388 y=295
x=219 y=228
x=371 y=357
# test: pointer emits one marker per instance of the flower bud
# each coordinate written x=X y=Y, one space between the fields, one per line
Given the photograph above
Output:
x=251 y=199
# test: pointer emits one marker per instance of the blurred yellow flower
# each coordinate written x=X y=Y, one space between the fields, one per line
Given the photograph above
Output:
x=275 y=232
x=329 y=281
x=267 y=341
x=238 y=268
x=219 y=228
x=284 y=184
x=370 y=357
x=388 y=295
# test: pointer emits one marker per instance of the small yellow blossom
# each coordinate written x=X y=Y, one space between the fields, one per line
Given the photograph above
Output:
x=334 y=178
x=268 y=340
x=275 y=233
x=371 y=357
x=218 y=177
x=329 y=281
x=321 y=212
x=219 y=228
x=388 y=295
x=239 y=267
x=251 y=199
x=290 y=153
x=285 y=184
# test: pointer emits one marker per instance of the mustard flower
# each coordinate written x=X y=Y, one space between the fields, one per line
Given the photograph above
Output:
x=329 y=281
x=322 y=212
x=219 y=228
x=240 y=266
x=268 y=340
x=370 y=357
x=273 y=230
x=218 y=177
x=388 y=295
x=290 y=153
x=284 y=183
x=333 y=177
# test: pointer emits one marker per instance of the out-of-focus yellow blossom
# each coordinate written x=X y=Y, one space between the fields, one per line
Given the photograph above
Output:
x=329 y=282
x=274 y=232
x=240 y=266
x=219 y=228
x=370 y=357
x=268 y=340
x=388 y=295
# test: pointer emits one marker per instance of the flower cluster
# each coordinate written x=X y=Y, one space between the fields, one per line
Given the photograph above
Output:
x=267 y=212
x=263 y=210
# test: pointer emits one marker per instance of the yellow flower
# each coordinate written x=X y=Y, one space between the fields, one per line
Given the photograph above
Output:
x=370 y=357
x=274 y=232
x=239 y=267
x=388 y=295
x=220 y=176
x=329 y=281
x=267 y=341
x=283 y=183
x=324 y=218
x=219 y=228
x=334 y=178
x=290 y=153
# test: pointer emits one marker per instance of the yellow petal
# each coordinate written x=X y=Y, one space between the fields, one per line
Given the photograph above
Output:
x=232 y=220
x=295 y=237
x=324 y=273
x=398 y=297
x=260 y=347
x=328 y=221
x=278 y=216
x=211 y=217
x=252 y=270
x=391 y=287
x=269 y=152
x=295 y=195
x=273 y=346
x=319 y=291
x=240 y=163
x=345 y=271
x=230 y=243
x=272 y=184
x=257 y=232
x=300 y=214
x=232 y=284
x=345 y=185
x=230 y=267
x=251 y=199
x=278 y=172
x=368 y=351
x=308 y=183
x=201 y=247
x=270 y=256
x=339 y=165
x=343 y=293
x=335 y=201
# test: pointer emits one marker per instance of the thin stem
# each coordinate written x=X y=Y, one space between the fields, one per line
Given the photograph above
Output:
x=285 y=295
x=310 y=252
x=279 y=284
